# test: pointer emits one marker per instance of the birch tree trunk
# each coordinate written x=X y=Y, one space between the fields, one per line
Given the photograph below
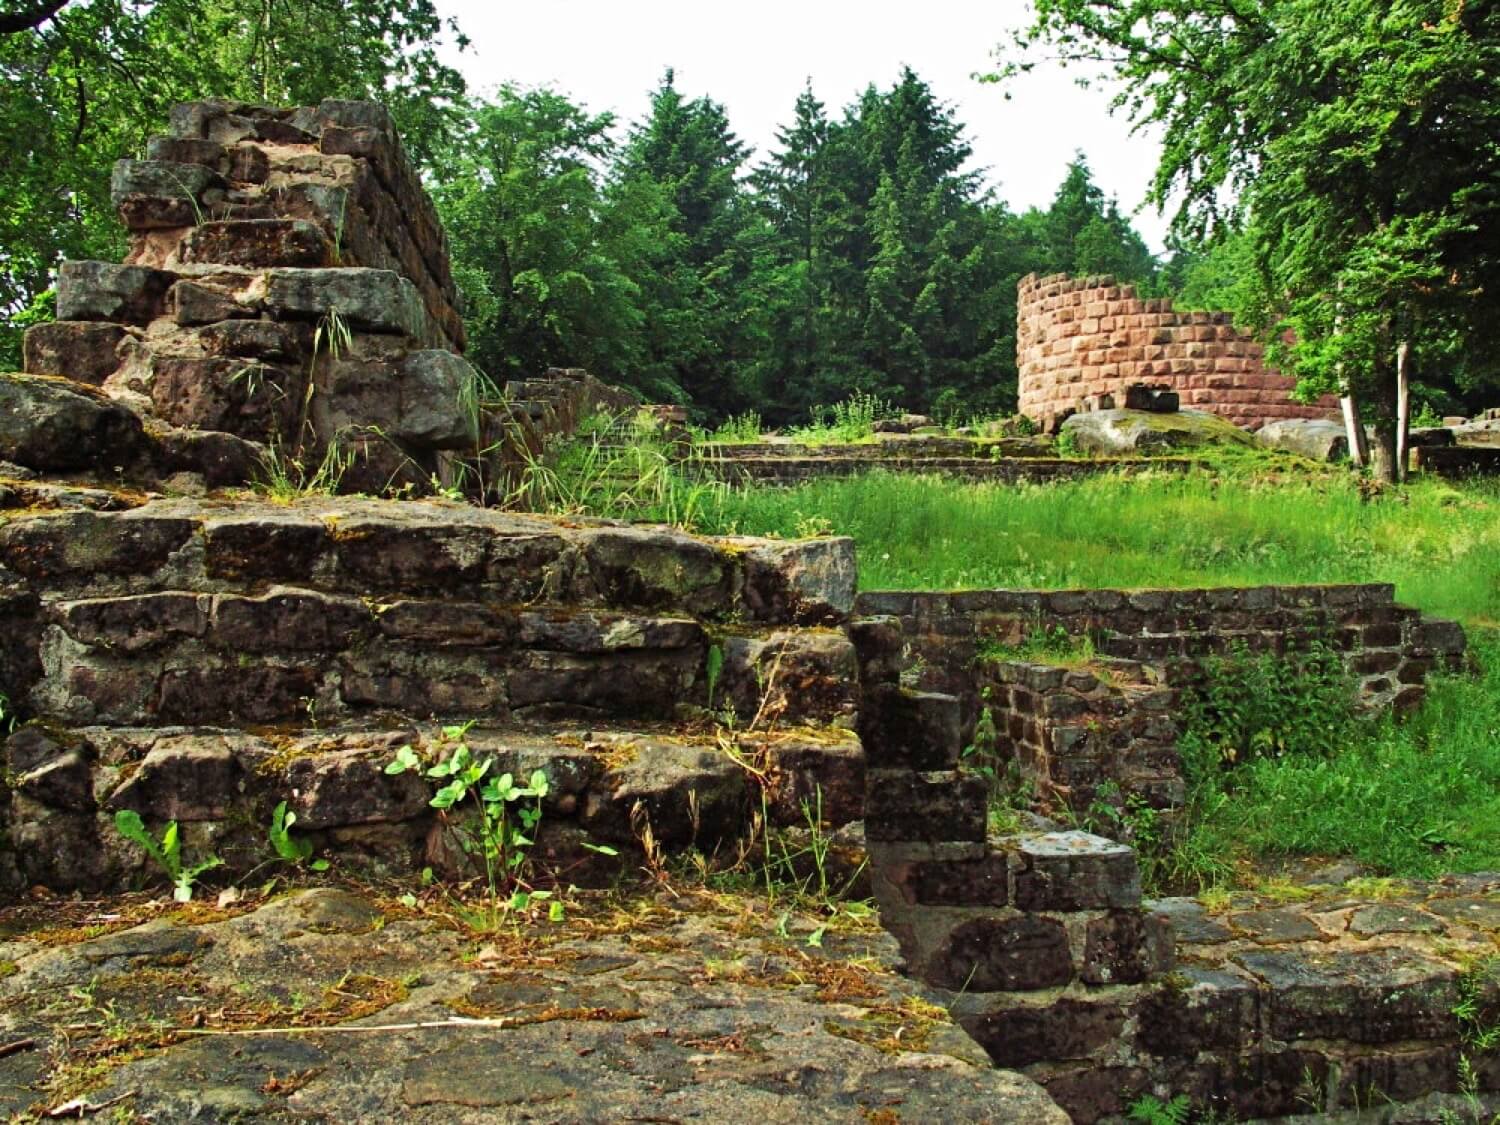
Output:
x=1403 y=407
x=1354 y=429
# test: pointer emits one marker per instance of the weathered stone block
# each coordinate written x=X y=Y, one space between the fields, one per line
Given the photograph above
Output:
x=80 y=545
x=105 y=291
x=1074 y=871
x=806 y=581
x=289 y=621
x=51 y=424
x=81 y=350
x=1126 y=947
x=1001 y=952
x=1199 y=1010
x=634 y=567
x=134 y=623
x=983 y=881
x=192 y=303
x=344 y=787
x=273 y=547
x=367 y=299
x=248 y=398
x=1369 y=996
x=911 y=730
x=257 y=242
x=191 y=777
x=244 y=693
x=1017 y=1034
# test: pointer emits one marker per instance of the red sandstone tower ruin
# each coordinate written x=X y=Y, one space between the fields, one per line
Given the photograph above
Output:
x=1078 y=338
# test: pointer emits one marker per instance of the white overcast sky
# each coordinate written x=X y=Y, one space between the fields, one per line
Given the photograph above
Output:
x=755 y=57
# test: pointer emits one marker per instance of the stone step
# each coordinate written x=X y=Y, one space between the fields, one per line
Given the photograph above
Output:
x=367 y=548
x=59 y=426
x=606 y=784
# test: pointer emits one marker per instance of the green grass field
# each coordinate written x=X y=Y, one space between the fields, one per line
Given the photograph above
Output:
x=1439 y=544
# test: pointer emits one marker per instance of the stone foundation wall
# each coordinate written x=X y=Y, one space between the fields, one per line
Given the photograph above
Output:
x=1084 y=338
x=1072 y=729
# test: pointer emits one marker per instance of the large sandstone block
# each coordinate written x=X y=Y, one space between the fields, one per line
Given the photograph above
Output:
x=105 y=291
x=84 y=351
x=257 y=243
x=368 y=300
x=52 y=425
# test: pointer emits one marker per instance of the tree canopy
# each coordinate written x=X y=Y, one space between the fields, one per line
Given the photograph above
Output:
x=1350 y=154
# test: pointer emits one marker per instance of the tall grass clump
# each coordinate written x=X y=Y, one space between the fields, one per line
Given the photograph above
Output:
x=1440 y=544
x=738 y=429
x=852 y=420
x=617 y=470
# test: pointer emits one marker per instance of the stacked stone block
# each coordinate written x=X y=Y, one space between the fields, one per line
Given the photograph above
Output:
x=1074 y=732
x=1087 y=339
x=288 y=285
x=200 y=661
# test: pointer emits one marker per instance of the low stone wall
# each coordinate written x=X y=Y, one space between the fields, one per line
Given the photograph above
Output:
x=198 y=661
x=1083 y=338
x=1074 y=729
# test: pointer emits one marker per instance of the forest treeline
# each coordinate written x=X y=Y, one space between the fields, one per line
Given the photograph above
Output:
x=1345 y=208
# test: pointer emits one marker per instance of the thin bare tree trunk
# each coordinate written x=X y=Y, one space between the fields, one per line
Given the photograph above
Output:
x=1354 y=430
x=1403 y=407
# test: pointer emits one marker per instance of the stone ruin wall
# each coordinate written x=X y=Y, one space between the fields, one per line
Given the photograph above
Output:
x=1080 y=339
x=288 y=289
x=1113 y=719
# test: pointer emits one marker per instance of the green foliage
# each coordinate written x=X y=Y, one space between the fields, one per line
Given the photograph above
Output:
x=713 y=669
x=639 y=478
x=1263 y=705
x=743 y=428
x=852 y=420
x=1149 y=1110
x=1042 y=645
x=166 y=852
x=1439 y=544
x=1344 y=151
x=287 y=847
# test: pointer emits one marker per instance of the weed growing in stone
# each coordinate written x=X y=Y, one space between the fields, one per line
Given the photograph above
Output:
x=738 y=428
x=503 y=815
x=287 y=847
x=167 y=852
x=852 y=420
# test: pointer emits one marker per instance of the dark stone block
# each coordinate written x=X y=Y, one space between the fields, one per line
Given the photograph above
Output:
x=82 y=544
x=910 y=730
x=81 y=350
x=903 y=805
x=253 y=339
x=388 y=554
x=133 y=624
x=1374 y=996
x=1015 y=1035
x=192 y=777
x=105 y=291
x=249 y=398
x=345 y=787
x=1126 y=947
x=1000 y=953
x=951 y=882
x=1199 y=1010
x=272 y=548
x=51 y=424
x=258 y=693
x=637 y=568
x=192 y=303
x=289 y=622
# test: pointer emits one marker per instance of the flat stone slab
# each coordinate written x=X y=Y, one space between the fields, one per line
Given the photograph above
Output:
x=332 y=1005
